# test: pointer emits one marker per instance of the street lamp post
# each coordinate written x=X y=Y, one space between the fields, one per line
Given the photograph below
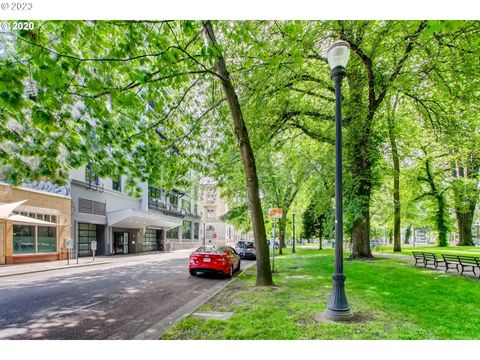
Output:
x=338 y=308
x=293 y=231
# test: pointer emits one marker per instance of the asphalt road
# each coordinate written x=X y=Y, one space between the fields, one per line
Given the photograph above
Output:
x=105 y=302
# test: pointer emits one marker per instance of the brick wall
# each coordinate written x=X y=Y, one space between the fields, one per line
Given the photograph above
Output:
x=38 y=199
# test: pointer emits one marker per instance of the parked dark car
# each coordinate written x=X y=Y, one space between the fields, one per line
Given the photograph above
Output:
x=269 y=242
x=214 y=259
x=246 y=250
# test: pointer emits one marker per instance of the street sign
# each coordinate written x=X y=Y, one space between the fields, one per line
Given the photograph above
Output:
x=93 y=245
x=69 y=244
x=275 y=213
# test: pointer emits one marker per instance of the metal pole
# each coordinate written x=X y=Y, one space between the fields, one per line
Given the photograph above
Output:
x=293 y=231
x=273 y=243
x=204 y=235
x=77 y=250
x=338 y=308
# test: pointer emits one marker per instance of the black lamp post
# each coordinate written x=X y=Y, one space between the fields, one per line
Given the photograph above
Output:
x=338 y=308
x=293 y=231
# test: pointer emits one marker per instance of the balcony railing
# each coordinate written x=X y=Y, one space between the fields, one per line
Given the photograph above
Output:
x=193 y=214
x=168 y=209
x=95 y=185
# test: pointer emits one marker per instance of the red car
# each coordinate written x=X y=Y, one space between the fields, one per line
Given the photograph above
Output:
x=214 y=259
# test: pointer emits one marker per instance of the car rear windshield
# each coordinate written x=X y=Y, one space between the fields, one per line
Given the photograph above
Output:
x=248 y=245
x=211 y=250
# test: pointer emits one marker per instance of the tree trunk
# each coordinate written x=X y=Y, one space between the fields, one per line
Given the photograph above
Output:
x=361 y=236
x=264 y=274
x=465 y=221
x=361 y=170
x=442 y=222
x=320 y=237
x=396 y=185
x=466 y=191
x=441 y=213
x=360 y=167
x=408 y=234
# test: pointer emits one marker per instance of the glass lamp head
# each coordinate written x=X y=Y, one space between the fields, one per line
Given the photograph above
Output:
x=338 y=54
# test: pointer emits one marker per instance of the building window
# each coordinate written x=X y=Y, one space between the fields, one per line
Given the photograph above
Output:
x=23 y=239
x=196 y=227
x=186 y=205
x=90 y=175
x=46 y=239
x=210 y=214
x=195 y=209
x=173 y=200
x=117 y=183
x=210 y=197
x=44 y=217
x=187 y=229
x=154 y=193
x=29 y=239
x=172 y=233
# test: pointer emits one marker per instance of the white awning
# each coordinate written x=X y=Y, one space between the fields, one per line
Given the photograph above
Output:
x=6 y=209
x=136 y=219
x=29 y=221
x=6 y=214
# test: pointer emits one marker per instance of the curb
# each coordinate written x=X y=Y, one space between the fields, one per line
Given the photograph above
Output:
x=53 y=269
x=156 y=331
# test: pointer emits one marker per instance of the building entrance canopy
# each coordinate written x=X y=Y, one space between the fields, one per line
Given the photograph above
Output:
x=131 y=218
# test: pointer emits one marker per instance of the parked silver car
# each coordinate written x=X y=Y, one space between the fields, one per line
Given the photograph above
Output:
x=246 y=249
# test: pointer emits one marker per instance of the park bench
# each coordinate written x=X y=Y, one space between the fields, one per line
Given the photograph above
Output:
x=469 y=262
x=427 y=257
x=462 y=263
x=451 y=260
x=430 y=257
x=418 y=255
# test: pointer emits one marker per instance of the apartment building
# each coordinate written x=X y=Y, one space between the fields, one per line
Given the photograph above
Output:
x=212 y=209
x=102 y=211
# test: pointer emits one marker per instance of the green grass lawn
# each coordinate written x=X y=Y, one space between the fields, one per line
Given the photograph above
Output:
x=391 y=298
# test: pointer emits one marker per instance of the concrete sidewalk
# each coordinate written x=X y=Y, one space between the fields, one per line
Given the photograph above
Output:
x=20 y=269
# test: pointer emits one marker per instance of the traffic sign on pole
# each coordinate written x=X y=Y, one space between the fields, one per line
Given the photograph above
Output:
x=275 y=213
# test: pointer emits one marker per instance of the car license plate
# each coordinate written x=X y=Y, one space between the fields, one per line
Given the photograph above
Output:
x=207 y=259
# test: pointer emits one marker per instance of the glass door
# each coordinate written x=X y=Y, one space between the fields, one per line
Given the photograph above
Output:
x=125 y=243
x=118 y=243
